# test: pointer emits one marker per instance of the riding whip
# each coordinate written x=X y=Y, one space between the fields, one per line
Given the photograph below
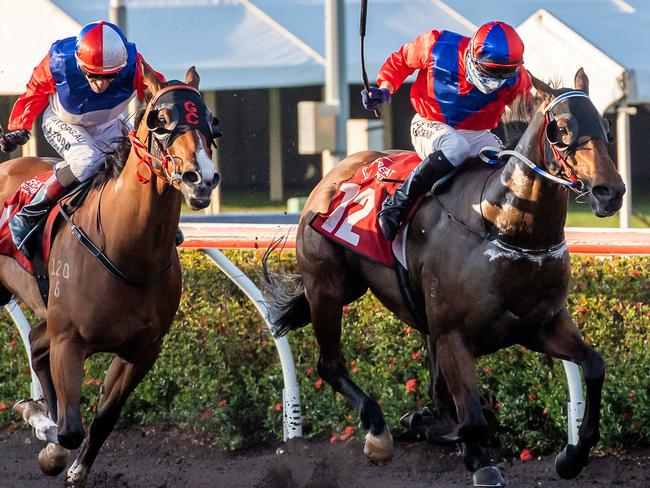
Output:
x=362 y=33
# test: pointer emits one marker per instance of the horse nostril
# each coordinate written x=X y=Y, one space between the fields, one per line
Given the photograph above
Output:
x=191 y=177
x=215 y=180
x=602 y=192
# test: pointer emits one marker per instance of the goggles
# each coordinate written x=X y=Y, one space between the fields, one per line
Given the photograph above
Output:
x=97 y=76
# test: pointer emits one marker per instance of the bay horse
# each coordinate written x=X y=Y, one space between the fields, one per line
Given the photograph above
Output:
x=132 y=216
x=489 y=266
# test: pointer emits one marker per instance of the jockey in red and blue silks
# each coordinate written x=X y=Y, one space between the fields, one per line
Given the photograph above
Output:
x=83 y=85
x=461 y=91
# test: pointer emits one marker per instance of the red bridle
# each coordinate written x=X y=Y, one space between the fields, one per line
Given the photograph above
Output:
x=154 y=165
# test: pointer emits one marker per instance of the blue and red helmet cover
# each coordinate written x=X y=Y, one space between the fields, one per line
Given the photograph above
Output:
x=497 y=44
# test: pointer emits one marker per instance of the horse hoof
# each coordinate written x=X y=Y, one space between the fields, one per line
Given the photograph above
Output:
x=488 y=476
x=53 y=459
x=77 y=475
x=567 y=465
x=379 y=449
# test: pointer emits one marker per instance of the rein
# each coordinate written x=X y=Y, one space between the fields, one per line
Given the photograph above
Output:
x=493 y=155
x=99 y=253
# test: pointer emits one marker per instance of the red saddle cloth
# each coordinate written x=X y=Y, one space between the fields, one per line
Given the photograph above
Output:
x=351 y=219
x=22 y=197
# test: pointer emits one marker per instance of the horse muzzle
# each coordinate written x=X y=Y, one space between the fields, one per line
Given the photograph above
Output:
x=606 y=200
x=196 y=190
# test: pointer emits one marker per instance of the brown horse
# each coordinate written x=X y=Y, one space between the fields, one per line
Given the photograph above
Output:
x=489 y=266
x=132 y=215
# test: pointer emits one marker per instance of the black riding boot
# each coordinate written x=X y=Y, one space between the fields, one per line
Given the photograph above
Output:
x=25 y=222
x=396 y=207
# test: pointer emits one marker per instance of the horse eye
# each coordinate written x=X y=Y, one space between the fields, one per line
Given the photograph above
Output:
x=562 y=130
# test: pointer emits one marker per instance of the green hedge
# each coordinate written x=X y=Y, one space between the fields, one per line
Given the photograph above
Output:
x=219 y=373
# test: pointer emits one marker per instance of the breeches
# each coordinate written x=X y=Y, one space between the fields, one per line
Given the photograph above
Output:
x=457 y=145
x=83 y=149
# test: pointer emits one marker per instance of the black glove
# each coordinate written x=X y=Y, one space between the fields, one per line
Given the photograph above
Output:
x=376 y=97
x=9 y=141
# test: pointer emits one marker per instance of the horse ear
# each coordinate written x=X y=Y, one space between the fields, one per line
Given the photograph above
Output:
x=542 y=88
x=151 y=80
x=581 y=81
x=192 y=77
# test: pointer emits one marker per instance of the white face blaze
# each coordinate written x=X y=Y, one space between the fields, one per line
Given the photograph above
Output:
x=206 y=165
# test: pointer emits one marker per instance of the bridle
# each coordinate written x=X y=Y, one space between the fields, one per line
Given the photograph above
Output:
x=560 y=151
x=153 y=156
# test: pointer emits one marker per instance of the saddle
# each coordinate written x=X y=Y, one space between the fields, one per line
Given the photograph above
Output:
x=43 y=231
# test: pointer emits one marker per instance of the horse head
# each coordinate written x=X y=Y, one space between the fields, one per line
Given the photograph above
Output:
x=573 y=143
x=175 y=136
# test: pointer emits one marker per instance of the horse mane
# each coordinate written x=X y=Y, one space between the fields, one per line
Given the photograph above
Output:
x=115 y=159
x=522 y=110
x=515 y=121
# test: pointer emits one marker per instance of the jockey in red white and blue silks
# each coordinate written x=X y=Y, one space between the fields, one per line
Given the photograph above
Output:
x=461 y=91
x=83 y=86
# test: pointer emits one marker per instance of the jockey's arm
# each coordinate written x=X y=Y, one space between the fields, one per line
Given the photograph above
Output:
x=138 y=81
x=31 y=103
x=402 y=63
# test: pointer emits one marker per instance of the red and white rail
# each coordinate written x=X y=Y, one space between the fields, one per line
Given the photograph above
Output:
x=581 y=240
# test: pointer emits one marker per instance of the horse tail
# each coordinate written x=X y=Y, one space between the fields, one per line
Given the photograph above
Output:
x=285 y=295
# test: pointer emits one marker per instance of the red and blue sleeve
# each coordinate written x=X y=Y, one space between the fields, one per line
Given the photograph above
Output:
x=138 y=81
x=32 y=103
x=411 y=56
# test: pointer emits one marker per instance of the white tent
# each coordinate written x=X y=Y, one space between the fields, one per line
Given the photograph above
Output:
x=24 y=47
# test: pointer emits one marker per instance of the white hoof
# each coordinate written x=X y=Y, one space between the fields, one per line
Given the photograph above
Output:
x=53 y=459
x=77 y=475
x=379 y=449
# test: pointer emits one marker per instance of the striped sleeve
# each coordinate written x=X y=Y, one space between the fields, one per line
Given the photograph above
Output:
x=411 y=56
x=32 y=103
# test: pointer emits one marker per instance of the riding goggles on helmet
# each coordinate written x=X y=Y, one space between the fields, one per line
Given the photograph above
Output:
x=97 y=76
x=486 y=84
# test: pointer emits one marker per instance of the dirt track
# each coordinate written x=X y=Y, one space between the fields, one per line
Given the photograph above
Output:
x=163 y=459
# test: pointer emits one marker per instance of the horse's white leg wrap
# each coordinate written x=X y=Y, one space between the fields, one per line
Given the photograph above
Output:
x=35 y=414
x=379 y=449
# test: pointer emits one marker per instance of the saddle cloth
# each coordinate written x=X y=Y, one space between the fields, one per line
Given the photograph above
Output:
x=20 y=198
x=351 y=219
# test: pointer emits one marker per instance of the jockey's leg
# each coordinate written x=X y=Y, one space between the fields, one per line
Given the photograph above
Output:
x=441 y=148
x=25 y=222
x=395 y=207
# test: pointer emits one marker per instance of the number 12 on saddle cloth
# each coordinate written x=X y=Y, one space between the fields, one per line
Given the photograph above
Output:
x=351 y=219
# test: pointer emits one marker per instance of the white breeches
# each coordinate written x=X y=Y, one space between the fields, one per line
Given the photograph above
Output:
x=82 y=148
x=456 y=144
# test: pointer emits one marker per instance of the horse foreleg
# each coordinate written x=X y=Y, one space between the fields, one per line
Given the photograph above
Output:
x=561 y=339
x=40 y=346
x=67 y=357
x=121 y=380
x=326 y=319
x=458 y=367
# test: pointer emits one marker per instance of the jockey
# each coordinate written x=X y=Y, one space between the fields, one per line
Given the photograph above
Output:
x=84 y=85
x=461 y=91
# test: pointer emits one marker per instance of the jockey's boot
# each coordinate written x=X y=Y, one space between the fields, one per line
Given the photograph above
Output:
x=25 y=222
x=396 y=207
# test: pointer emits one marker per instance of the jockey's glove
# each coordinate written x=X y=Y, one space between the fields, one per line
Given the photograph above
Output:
x=9 y=141
x=375 y=98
